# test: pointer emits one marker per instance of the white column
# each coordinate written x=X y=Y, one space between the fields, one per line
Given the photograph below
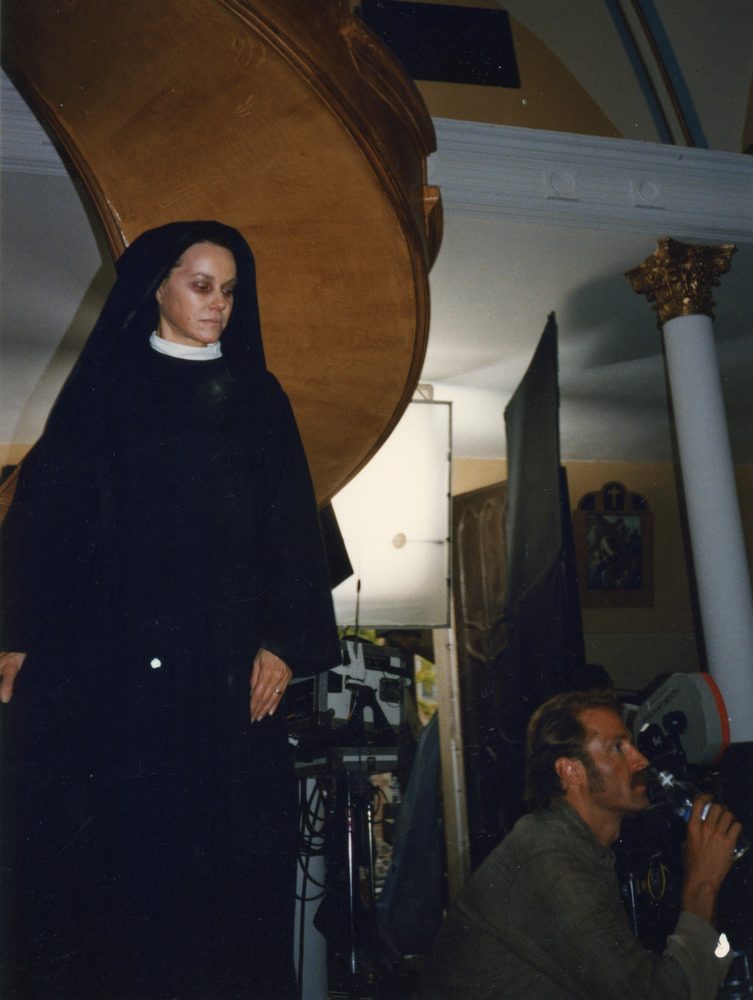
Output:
x=718 y=543
x=678 y=279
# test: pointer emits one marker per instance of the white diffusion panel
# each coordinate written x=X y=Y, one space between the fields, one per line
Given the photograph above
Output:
x=394 y=517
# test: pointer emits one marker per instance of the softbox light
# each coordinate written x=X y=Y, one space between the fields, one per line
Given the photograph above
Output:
x=394 y=517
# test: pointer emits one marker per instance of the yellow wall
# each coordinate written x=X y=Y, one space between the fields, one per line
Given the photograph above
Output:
x=11 y=454
x=635 y=644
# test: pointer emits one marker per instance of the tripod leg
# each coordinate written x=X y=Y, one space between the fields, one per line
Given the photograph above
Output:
x=350 y=818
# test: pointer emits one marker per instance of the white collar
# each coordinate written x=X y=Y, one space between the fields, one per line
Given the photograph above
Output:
x=186 y=351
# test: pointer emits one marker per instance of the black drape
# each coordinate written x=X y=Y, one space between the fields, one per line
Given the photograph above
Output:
x=546 y=633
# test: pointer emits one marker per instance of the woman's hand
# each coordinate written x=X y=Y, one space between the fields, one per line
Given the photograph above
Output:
x=269 y=678
x=10 y=664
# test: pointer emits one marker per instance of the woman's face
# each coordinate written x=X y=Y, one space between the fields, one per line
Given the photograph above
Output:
x=196 y=298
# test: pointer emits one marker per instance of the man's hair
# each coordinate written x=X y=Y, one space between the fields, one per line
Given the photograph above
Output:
x=555 y=731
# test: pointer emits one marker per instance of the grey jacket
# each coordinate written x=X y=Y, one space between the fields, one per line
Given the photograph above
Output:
x=542 y=919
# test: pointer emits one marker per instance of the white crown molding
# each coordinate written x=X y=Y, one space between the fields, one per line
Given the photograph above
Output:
x=528 y=175
x=557 y=178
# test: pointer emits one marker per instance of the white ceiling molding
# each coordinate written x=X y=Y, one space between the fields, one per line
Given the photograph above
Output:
x=529 y=175
x=591 y=182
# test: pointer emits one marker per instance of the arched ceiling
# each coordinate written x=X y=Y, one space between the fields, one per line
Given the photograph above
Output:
x=637 y=69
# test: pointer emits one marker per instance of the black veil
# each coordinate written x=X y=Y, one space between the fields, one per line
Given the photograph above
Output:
x=130 y=311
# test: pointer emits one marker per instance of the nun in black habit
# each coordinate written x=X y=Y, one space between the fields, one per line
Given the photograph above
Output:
x=164 y=579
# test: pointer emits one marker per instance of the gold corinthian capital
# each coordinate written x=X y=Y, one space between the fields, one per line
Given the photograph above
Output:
x=678 y=277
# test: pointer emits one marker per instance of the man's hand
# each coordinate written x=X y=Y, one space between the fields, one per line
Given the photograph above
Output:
x=709 y=855
x=269 y=678
x=10 y=664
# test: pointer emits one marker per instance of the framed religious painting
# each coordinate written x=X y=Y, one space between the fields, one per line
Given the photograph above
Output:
x=614 y=544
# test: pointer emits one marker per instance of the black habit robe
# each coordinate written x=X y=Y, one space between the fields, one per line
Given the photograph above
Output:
x=164 y=528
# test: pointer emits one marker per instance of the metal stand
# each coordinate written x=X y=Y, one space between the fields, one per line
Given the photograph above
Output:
x=347 y=916
x=343 y=757
x=359 y=832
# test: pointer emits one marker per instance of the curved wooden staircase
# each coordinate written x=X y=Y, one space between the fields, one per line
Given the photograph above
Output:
x=299 y=129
